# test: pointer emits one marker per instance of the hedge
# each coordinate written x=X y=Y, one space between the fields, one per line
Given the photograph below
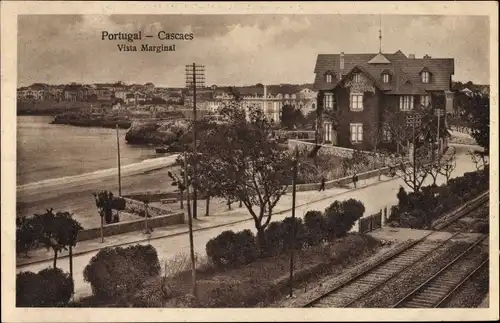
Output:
x=421 y=208
x=118 y=272
x=231 y=249
x=49 y=288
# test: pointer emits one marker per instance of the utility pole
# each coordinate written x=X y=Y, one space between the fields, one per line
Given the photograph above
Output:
x=438 y=112
x=190 y=224
x=294 y=182
x=119 y=165
x=195 y=77
x=414 y=120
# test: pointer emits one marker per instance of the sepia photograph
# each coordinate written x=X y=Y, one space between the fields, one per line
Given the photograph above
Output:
x=289 y=159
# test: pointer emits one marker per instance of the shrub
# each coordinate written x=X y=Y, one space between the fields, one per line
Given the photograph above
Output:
x=286 y=231
x=410 y=221
x=341 y=217
x=49 y=288
x=481 y=227
x=315 y=226
x=232 y=249
x=273 y=239
x=118 y=272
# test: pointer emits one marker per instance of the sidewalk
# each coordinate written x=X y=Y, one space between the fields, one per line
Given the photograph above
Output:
x=224 y=218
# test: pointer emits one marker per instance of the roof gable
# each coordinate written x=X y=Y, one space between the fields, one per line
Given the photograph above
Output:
x=402 y=68
x=379 y=59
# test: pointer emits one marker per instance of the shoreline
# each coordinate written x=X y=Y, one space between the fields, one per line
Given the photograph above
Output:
x=127 y=170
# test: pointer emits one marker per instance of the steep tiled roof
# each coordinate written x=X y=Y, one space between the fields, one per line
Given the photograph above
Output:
x=402 y=68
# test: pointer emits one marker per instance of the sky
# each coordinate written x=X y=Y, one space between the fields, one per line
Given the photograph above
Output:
x=237 y=49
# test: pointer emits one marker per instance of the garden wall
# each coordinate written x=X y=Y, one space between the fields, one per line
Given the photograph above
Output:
x=333 y=150
x=338 y=182
x=155 y=196
x=131 y=226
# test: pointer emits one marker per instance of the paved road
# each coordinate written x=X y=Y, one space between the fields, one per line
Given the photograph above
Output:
x=374 y=198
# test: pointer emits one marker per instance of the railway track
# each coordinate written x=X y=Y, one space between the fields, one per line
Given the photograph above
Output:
x=348 y=293
x=366 y=282
x=440 y=287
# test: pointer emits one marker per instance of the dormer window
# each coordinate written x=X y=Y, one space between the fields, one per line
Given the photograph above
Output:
x=386 y=78
x=357 y=78
x=426 y=77
x=328 y=78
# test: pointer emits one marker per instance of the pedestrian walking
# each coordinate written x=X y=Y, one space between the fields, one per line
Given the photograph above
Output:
x=355 y=180
x=322 y=186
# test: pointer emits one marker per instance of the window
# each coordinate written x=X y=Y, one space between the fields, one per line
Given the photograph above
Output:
x=356 y=78
x=406 y=103
x=356 y=132
x=328 y=78
x=356 y=102
x=425 y=100
x=386 y=78
x=426 y=77
x=328 y=131
x=328 y=100
x=386 y=133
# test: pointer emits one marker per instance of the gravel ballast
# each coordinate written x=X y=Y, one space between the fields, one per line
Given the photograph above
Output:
x=409 y=279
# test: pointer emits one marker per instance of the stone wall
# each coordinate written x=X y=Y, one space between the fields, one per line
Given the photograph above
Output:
x=338 y=182
x=156 y=196
x=131 y=226
x=138 y=207
x=326 y=149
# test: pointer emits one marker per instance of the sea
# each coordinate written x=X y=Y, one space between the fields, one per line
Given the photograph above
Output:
x=48 y=151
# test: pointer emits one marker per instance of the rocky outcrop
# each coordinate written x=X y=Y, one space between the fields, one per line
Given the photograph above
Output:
x=80 y=119
x=157 y=133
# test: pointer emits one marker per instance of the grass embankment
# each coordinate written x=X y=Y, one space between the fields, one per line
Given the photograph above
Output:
x=257 y=284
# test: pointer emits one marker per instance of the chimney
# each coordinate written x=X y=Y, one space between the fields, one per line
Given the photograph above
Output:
x=411 y=56
x=341 y=64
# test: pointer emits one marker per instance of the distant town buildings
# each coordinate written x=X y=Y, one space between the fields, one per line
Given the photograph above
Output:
x=120 y=96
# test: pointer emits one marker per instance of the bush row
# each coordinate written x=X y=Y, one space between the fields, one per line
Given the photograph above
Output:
x=117 y=272
x=49 y=288
x=230 y=249
x=417 y=210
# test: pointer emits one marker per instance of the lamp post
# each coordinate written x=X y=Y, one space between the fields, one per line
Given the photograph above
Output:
x=119 y=166
x=294 y=184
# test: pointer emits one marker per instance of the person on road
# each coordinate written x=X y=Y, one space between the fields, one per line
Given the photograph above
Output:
x=402 y=197
x=322 y=186
x=355 y=180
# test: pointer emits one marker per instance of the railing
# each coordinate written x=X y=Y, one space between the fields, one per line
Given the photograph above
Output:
x=370 y=223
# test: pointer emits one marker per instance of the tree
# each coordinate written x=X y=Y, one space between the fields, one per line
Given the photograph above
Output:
x=448 y=165
x=397 y=129
x=415 y=172
x=106 y=203
x=291 y=117
x=247 y=166
x=356 y=163
x=178 y=181
x=478 y=112
x=57 y=231
x=375 y=138
x=25 y=235
x=478 y=158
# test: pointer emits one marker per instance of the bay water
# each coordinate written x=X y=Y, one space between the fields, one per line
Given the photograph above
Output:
x=47 y=151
